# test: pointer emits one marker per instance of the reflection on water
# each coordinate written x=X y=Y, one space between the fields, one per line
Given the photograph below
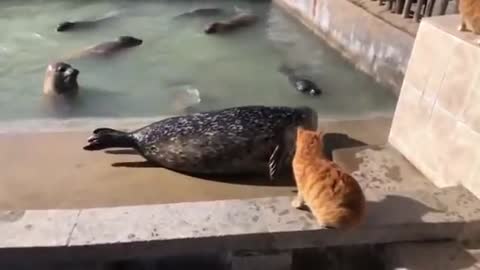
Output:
x=157 y=77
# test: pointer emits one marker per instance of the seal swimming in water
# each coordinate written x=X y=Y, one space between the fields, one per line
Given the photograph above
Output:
x=238 y=140
x=240 y=20
x=60 y=79
x=201 y=12
x=301 y=84
x=68 y=26
x=109 y=48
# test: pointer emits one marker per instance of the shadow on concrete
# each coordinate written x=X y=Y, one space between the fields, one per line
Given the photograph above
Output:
x=393 y=211
x=344 y=258
x=445 y=255
x=210 y=261
x=334 y=141
x=397 y=209
x=135 y=164
x=122 y=152
x=415 y=256
x=285 y=179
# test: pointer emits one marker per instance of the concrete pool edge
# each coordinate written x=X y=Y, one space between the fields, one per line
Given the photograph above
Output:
x=397 y=211
x=373 y=45
x=42 y=125
x=253 y=224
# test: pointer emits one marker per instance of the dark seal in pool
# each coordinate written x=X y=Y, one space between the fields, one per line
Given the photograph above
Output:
x=239 y=140
x=240 y=20
x=300 y=83
x=109 y=48
x=201 y=12
x=60 y=79
x=69 y=26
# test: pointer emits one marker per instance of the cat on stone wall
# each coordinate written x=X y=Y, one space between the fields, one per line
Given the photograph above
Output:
x=334 y=197
x=470 y=16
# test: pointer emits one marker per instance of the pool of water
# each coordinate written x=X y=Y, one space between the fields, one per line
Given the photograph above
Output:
x=236 y=69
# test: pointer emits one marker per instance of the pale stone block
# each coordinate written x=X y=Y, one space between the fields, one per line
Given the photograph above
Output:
x=410 y=119
x=464 y=158
x=441 y=46
x=36 y=228
x=168 y=221
x=473 y=183
x=420 y=63
x=471 y=111
x=458 y=80
x=433 y=144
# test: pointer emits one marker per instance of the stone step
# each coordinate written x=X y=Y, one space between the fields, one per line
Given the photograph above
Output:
x=382 y=171
x=402 y=206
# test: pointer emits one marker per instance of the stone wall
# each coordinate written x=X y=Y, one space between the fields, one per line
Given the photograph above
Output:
x=373 y=45
x=437 y=120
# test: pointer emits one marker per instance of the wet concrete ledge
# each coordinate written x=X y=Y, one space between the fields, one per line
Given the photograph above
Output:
x=372 y=44
x=231 y=225
x=116 y=177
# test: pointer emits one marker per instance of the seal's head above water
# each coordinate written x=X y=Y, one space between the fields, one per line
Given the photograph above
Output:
x=128 y=41
x=60 y=79
x=65 y=26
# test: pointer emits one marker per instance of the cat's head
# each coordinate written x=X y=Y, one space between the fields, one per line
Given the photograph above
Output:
x=309 y=139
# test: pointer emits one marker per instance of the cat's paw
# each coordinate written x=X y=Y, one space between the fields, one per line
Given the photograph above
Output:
x=324 y=226
x=297 y=203
x=461 y=28
x=477 y=41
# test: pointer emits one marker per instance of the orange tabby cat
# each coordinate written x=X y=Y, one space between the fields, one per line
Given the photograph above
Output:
x=470 y=16
x=334 y=197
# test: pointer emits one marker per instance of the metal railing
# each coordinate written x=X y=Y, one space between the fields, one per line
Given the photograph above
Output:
x=417 y=8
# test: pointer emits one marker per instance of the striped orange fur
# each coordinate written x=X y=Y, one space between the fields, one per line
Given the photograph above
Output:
x=333 y=196
x=470 y=16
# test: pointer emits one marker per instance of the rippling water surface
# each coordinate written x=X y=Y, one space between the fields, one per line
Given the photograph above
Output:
x=175 y=59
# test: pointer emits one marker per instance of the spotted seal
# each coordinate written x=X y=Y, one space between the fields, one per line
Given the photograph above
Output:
x=60 y=79
x=109 y=48
x=238 y=140
x=240 y=20
x=300 y=83
x=70 y=26
x=201 y=12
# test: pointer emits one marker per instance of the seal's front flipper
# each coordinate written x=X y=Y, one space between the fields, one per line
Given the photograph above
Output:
x=276 y=161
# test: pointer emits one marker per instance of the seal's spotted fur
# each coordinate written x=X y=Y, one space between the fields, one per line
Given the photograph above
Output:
x=236 y=140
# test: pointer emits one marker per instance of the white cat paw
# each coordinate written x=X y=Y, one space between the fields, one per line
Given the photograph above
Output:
x=297 y=203
x=462 y=28
x=324 y=226
x=477 y=41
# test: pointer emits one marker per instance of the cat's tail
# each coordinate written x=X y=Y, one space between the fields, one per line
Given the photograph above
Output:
x=103 y=138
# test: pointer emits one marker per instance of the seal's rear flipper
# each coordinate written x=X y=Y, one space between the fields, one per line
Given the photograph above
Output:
x=103 y=138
